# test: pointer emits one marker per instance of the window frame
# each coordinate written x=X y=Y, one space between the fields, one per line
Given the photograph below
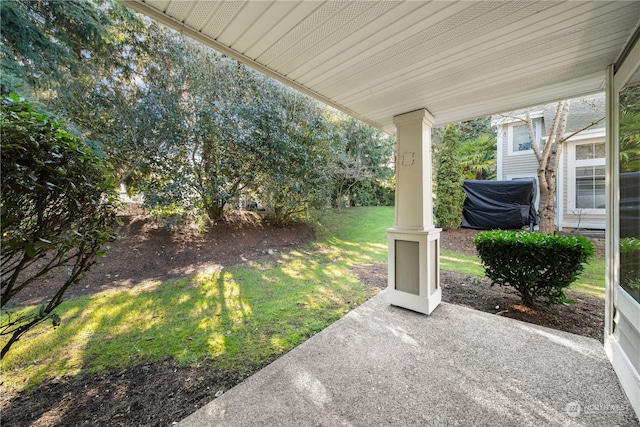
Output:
x=572 y=165
x=537 y=123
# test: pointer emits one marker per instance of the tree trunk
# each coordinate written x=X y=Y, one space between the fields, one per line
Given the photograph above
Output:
x=280 y=216
x=547 y=208
x=215 y=212
x=546 y=211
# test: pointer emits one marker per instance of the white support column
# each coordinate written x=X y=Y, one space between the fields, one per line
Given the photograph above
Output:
x=414 y=242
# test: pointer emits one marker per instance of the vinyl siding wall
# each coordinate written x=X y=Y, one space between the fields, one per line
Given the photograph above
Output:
x=515 y=164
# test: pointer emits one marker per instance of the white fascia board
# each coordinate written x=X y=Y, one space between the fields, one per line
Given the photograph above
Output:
x=514 y=117
x=593 y=133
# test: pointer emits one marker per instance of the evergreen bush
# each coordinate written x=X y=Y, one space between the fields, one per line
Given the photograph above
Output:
x=449 y=177
x=535 y=265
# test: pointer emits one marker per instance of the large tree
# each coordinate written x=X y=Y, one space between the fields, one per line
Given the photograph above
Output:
x=362 y=171
x=293 y=134
x=48 y=45
x=83 y=62
x=65 y=33
x=217 y=156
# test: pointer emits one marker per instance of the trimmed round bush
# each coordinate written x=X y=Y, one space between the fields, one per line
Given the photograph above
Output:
x=535 y=265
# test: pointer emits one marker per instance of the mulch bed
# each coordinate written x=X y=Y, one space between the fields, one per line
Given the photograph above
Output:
x=159 y=394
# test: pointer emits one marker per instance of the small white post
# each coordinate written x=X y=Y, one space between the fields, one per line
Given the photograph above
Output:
x=414 y=242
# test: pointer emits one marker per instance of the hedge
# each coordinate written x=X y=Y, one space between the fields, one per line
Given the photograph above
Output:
x=536 y=265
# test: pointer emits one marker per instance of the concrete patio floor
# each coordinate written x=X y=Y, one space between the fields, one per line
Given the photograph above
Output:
x=382 y=365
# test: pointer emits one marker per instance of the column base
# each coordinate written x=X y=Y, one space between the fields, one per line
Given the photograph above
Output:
x=414 y=269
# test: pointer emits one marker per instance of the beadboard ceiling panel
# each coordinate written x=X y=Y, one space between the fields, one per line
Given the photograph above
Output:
x=378 y=59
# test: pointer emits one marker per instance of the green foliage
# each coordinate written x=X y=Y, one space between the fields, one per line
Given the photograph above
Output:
x=362 y=175
x=292 y=131
x=222 y=107
x=449 y=193
x=477 y=148
x=475 y=129
x=630 y=99
x=187 y=137
x=188 y=128
x=49 y=43
x=535 y=265
x=629 y=141
x=467 y=131
x=57 y=208
x=81 y=61
x=478 y=157
x=630 y=266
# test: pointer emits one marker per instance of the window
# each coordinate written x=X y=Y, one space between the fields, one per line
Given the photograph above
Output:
x=521 y=140
x=586 y=179
x=629 y=202
x=590 y=151
x=590 y=189
x=518 y=136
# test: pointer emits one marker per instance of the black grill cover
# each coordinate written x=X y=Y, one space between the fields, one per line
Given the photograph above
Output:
x=499 y=204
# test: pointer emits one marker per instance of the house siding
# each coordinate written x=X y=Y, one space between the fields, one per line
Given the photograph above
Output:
x=517 y=164
x=584 y=111
x=524 y=164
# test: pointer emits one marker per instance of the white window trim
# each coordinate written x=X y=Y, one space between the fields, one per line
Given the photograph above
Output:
x=560 y=201
x=538 y=131
x=501 y=136
x=572 y=164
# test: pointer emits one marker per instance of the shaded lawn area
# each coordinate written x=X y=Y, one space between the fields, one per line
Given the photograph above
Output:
x=153 y=353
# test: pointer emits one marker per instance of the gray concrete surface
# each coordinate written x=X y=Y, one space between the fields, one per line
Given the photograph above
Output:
x=385 y=366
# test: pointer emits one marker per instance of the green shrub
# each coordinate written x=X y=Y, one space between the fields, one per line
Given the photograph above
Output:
x=630 y=266
x=57 y=209
x=536 y=265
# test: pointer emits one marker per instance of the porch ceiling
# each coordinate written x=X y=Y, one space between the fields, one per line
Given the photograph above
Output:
x=377 y=59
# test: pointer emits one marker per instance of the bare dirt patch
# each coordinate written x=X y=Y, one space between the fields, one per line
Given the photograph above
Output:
x=158 y=394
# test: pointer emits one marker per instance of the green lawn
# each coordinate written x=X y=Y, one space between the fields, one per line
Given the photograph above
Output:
x=591 y=281
x=237 y=319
